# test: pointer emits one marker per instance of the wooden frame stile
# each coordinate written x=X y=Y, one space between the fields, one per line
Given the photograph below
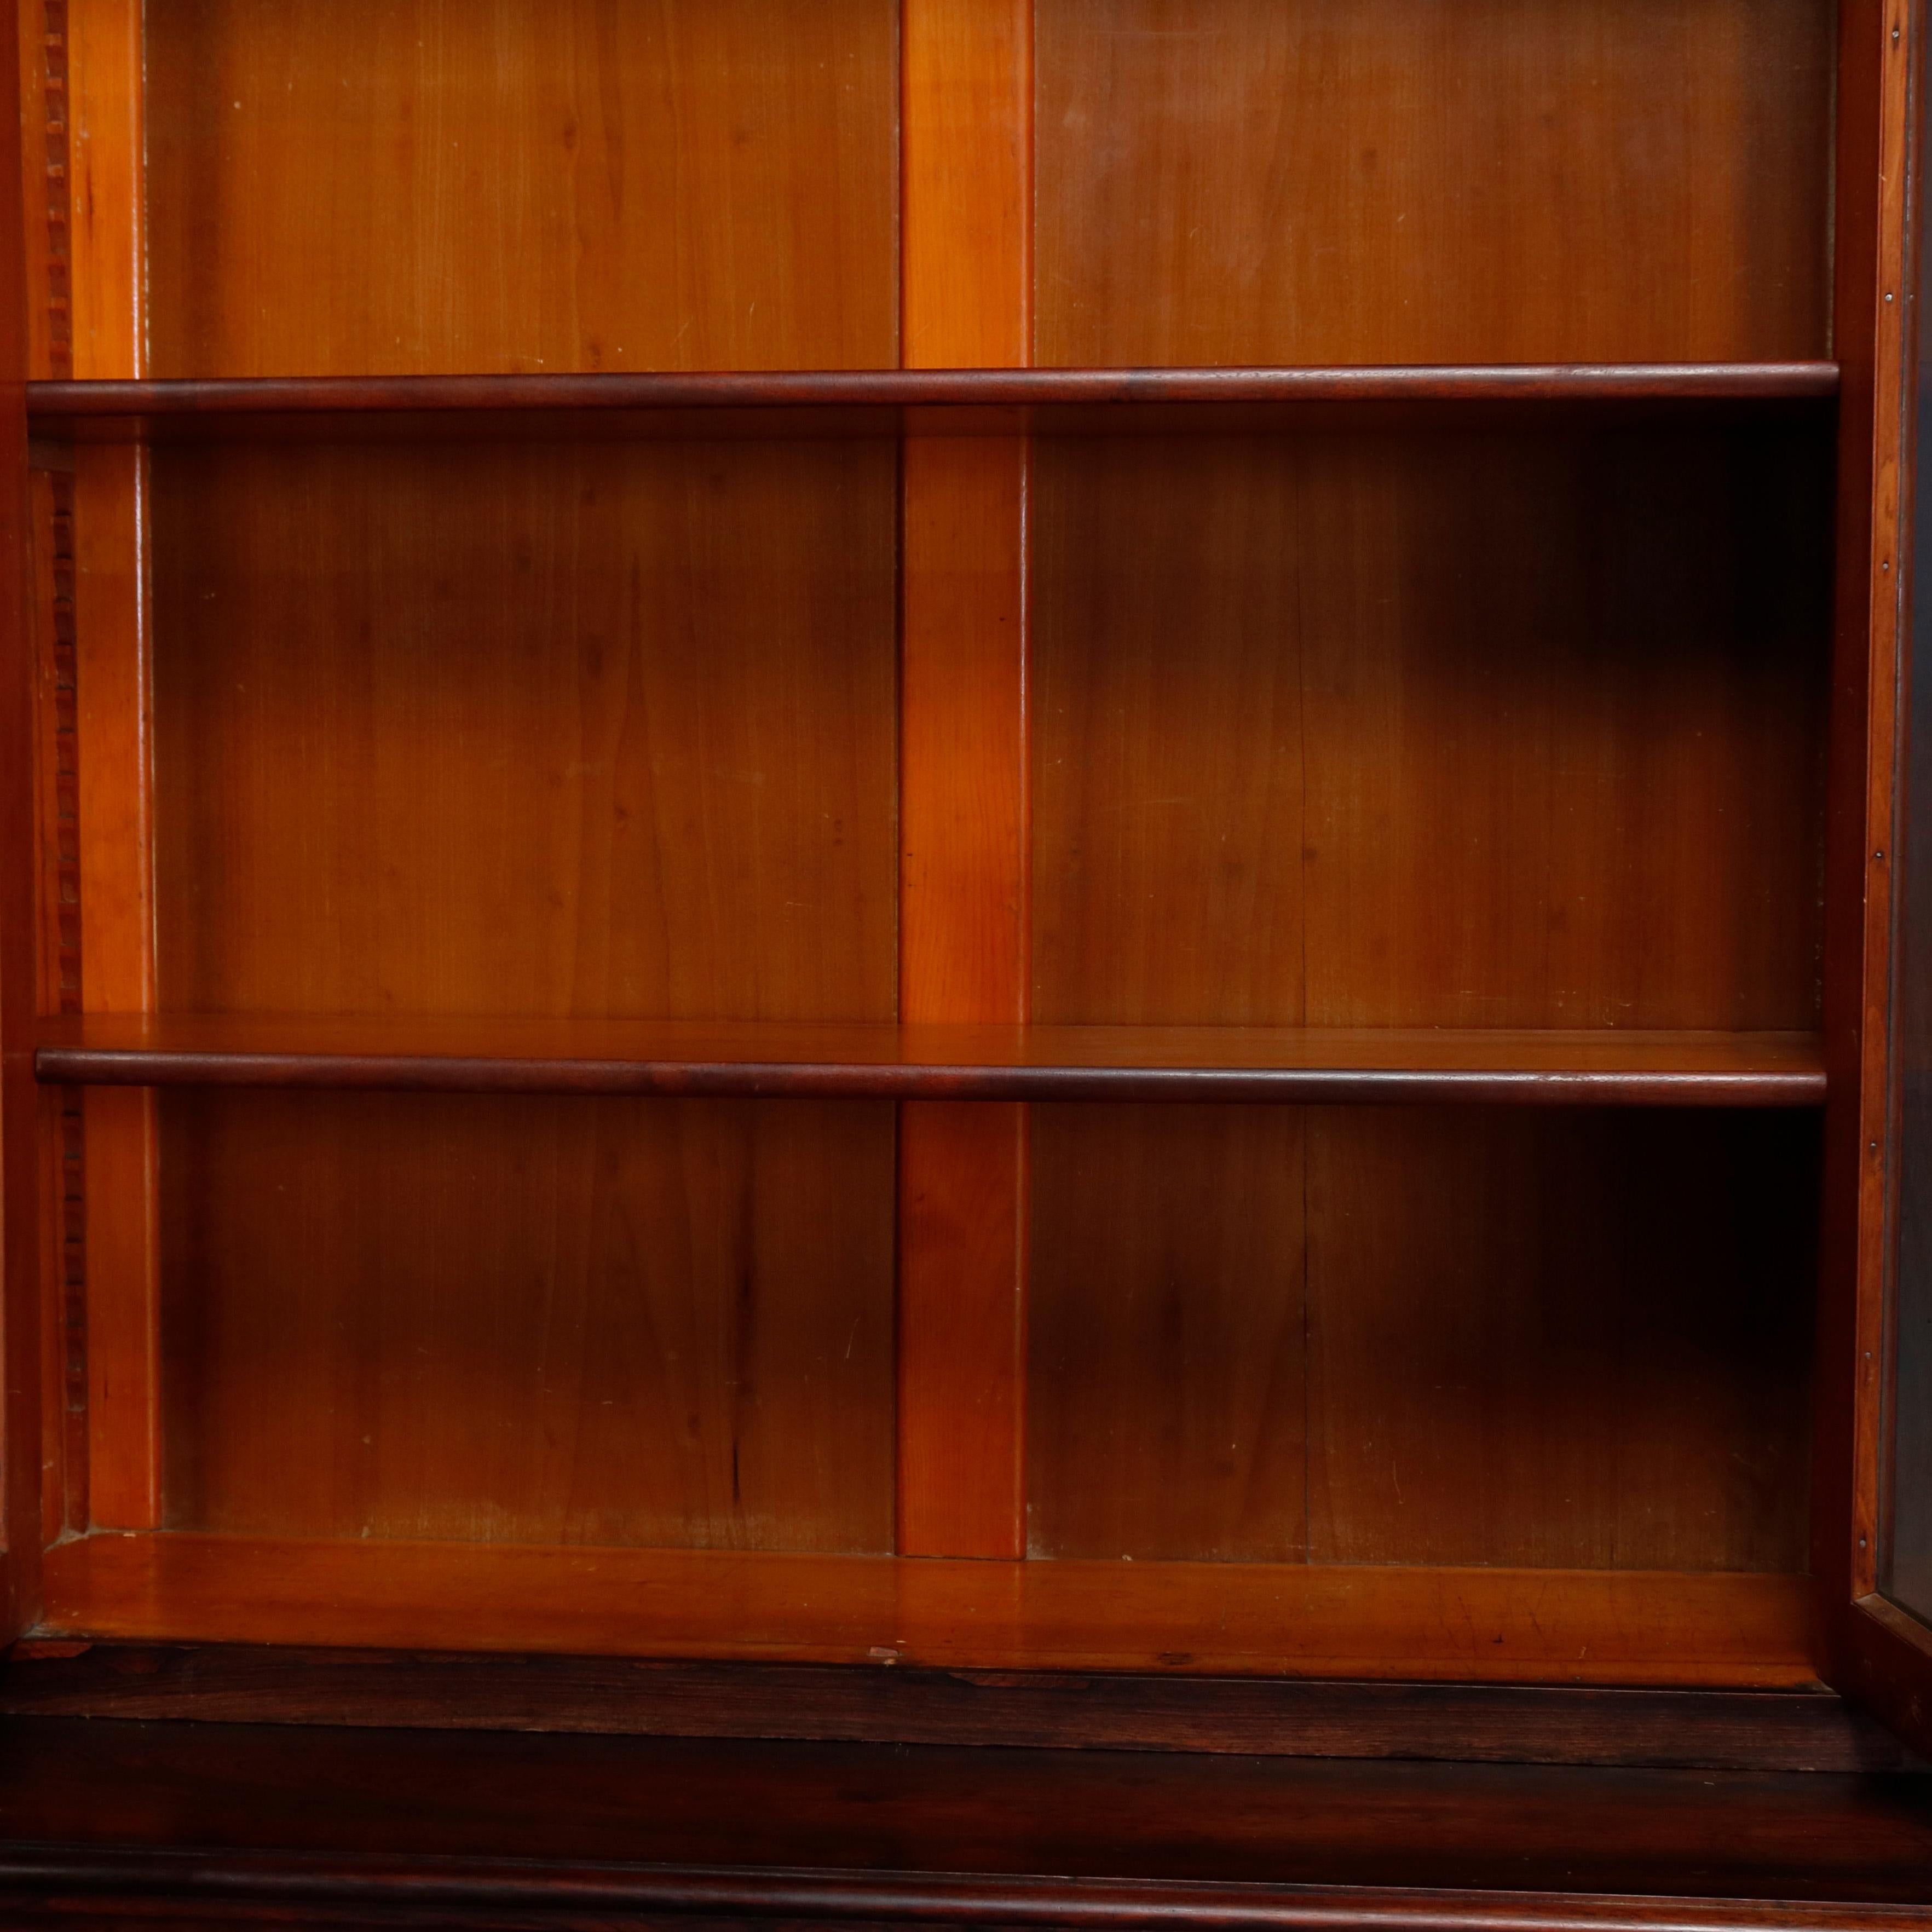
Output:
x=112 y=632
x=25 y=1109
x=1875 y=1652
x=966 y=211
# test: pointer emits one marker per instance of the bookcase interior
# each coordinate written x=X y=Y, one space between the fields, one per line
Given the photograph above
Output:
x=1486 y=721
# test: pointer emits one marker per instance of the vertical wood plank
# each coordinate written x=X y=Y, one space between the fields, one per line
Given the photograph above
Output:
x=24 y=1109
x=105 y=147
x=405 y=186
x=1869 y=261
x=966 y=138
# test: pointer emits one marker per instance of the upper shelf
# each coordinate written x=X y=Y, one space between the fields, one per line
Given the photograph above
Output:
x=762 y=1059
x=846 y=401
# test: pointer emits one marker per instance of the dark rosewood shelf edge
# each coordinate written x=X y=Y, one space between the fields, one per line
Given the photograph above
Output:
x=760 y=1060
x=51 y=405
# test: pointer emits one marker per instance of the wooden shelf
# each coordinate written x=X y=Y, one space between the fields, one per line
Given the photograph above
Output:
x=857 y=400
x=1417 y=1624
x=755 y=1060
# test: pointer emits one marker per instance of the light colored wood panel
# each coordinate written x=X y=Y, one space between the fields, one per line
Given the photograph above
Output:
x=369 y=188
x=963 y=692
x=119 y=1199
x=550 y=1321
x=967 y=141
x=1479 y=1625
x=1576 y=1341
x=967 y=162
x=605 y=730
x=1238 y=181
x=1166 y=1386
x=114 y=710
x=106 y=156
x=106 y=159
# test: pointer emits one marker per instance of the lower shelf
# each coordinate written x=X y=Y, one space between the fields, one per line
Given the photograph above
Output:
x=1485 y=1626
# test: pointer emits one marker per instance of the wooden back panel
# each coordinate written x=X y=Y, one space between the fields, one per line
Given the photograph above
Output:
x=1488 y=180
x=1468 y=729
x=605 y=729
x=369 y=188
x=601 y=1321
x=598 y=730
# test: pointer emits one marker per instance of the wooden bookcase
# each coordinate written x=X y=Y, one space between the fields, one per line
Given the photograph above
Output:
x=1038 y=837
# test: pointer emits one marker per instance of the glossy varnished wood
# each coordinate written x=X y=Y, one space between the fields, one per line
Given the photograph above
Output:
x=1232 y=181
x=967 y=213
x=367 y=190
x=173 y=407
x=753 y=1059
x=1489 y=1625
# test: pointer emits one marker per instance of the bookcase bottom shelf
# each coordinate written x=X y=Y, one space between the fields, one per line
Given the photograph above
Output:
x=1606 y=1627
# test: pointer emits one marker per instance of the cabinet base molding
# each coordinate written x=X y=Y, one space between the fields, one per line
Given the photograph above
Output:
x=1731 y=1730
x=210 y=1824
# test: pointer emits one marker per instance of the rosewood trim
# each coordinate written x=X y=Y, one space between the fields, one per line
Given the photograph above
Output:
x=286 y=1879
x=1735 y=1730
x=51 y=404
x=1037 y=1064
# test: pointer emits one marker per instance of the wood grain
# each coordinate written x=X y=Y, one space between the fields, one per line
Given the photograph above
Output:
x=560 y=731
x=1208 y=1458
x=1391 y=731
x=1231 y=181
x=107 y=157
x=1737 y=1730
x=1490 y=1625
x=106 y=196
x=967 y=161
x=599 y=730
x=371 y=190
x=577 y=1321
x=113 y=640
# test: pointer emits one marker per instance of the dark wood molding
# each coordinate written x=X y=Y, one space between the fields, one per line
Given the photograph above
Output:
x=757 y=1059
x=64 y=1884
x=330 y=1824
x=53 y=404
x=1500 y=1724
